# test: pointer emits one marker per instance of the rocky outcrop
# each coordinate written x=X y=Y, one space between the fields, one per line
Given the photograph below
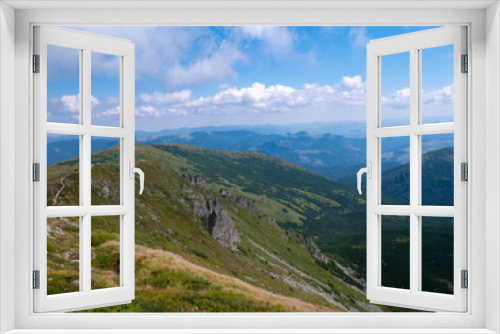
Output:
x=220 y=225
x=224 y=192
x=243 y=202
x=315 y=251
x=197 y=180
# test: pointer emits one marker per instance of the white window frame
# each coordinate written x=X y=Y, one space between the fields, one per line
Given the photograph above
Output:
x=484 y=102
x=414 y=43
x=86 y=44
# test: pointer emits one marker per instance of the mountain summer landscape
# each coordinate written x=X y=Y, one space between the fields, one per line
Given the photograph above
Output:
x=246 y=220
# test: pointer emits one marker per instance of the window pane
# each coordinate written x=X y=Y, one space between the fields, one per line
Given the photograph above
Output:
x=437 y=170
x=437 y=254
x=105 y=90
x=395 y=89
x=105 y=252
x=63 y=170
x=63 y=85
x=396 y=252
x=105 y=171
x=63 y=255
x=395 y=167
x=437 y=84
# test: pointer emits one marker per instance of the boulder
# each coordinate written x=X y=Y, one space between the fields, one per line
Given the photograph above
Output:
x=224 y=192
x=197 y=180
x=221 y=226
x=315 y=251
x=243 y=202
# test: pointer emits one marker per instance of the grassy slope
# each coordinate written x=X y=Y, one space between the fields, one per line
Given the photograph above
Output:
x=165 y=221
x=335 y=214
x=330 y=209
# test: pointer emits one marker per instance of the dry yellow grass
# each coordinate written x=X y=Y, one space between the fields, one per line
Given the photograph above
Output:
x=169 y=261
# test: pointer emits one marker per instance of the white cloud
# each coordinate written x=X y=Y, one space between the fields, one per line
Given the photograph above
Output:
x=174 y=56
x=398 y=99
x=440 y=96
x=259 y=98
x=217 y=66
x=358 y=36
x=401 y=97
x=111 y=112
x=355 y=82
x=148 y=111
x=160 y=98
x=278 y=40
x=71 y=103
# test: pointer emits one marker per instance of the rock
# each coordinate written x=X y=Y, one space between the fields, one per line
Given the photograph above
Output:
x=315 y=251
x=186 y=189
x=220 y=225
x=224 y=191
x=199 y=207
x=104 y=192
x=197 y=180
x=245 y=203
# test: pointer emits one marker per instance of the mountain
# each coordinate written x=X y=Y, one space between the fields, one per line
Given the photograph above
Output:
x=257 y=220
x=330 y=155
x=210 y=236
x=437 y=179
x=61 y=150
x=347 y=129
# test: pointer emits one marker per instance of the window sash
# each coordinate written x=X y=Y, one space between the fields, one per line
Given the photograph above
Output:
x=414 y=298
x=86 y=297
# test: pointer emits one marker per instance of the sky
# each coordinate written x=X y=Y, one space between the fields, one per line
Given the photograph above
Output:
x=206 y=76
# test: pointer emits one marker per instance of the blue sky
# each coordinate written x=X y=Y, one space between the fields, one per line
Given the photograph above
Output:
x=198 y=76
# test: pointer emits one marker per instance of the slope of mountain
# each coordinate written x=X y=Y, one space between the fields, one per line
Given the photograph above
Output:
x=306 y=201
x=437 y=179
x=182 y=263
x=330 y=155
x=266 y=207
x=328 y=210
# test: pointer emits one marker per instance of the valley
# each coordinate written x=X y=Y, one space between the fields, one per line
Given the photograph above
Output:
x=230 y=231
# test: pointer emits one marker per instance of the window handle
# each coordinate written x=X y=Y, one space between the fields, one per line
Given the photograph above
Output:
x=133 y=171
x=368 y=171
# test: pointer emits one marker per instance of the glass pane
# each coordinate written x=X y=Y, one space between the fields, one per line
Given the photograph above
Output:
x=395 y=167
x=395 y=89
x=437 y=170
x=105 y=90
x=437 y=254
x=63 y=170
x=63 y=255
x=437 y=84
x=396 y=252
x=105 y=160
x=105 y=252
x=63 y=85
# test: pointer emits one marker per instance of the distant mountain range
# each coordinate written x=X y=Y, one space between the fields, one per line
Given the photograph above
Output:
x=334 y=156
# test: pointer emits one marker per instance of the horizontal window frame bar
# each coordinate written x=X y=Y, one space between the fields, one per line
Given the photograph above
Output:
x=80 y=211
x=81 y=130
x=421 y=129
x=420 y=210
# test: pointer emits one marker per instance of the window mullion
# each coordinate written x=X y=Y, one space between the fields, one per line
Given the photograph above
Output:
x=85 y=246
x=414 y=170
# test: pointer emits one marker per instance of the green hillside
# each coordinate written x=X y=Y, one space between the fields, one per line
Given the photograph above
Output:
x=333 y=213
x=181 y=266
x=437 y=179
x=295 y=196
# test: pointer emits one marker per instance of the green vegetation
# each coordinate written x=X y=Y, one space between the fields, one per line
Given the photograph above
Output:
x=180 y=267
